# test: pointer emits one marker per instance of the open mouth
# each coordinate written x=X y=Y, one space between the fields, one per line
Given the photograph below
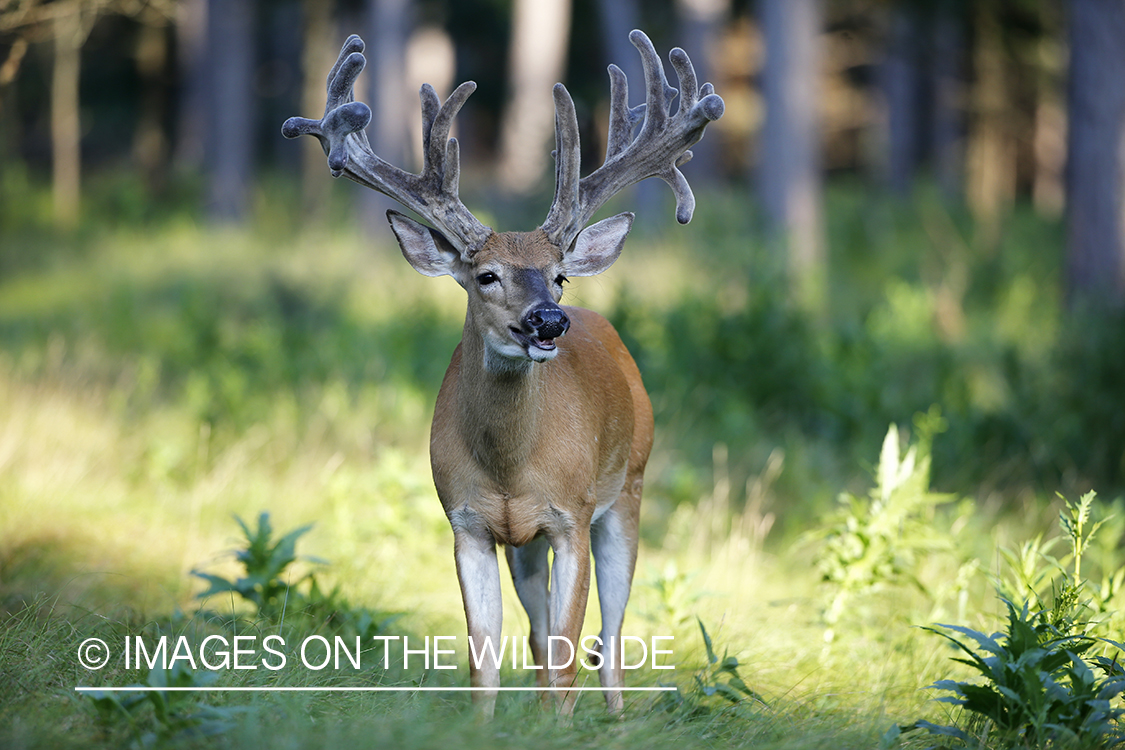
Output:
x=533 y=341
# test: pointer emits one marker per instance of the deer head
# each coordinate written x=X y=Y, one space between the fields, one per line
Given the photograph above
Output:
x=514 y=280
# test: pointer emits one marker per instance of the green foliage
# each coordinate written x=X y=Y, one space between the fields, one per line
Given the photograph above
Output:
x=264 y=561
x=278 y=599
x=881 y=540
x=676 y=595
x=716 y=686
x=1039 y=686
x=1038 y=691
x=175 y=716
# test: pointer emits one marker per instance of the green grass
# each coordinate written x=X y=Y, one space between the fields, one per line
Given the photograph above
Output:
x=158 y=377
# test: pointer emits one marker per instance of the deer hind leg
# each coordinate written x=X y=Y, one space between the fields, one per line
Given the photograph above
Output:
x=531 y=576
x=569 y=592
x=474 y=550
x=614 y=538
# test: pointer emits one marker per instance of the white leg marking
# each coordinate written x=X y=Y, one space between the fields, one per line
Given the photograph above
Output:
x=479 y=574
x=614 y=558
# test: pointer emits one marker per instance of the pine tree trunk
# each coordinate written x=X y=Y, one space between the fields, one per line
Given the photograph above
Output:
x=990 y=158
x=193 y=101
x=1096 y=152
x=388 y=28
x=319 y=52
x=947 y=43
x=230 y=57
x=540 y=33
x=900 y=79
x=701 y=24
x=789 y=170
x=66 y=159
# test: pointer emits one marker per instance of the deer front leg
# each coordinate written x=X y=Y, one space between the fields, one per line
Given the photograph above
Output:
x=570 y=590
x=479 y=575
x=614 y=539
x=531 y=576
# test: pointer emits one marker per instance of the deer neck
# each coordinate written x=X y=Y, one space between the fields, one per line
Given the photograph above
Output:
x=501 y=405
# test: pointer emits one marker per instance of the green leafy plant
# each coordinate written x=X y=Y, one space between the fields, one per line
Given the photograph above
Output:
x=674 y=594
x=878 y=541
x=175 y=716
x=718 y=679
x=1039 y=686
x=276 y=597
x=264 y=561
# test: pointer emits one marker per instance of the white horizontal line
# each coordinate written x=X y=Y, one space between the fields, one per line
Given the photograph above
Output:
x=360 y=689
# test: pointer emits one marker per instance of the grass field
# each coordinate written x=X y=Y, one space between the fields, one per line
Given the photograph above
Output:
x=159 y=377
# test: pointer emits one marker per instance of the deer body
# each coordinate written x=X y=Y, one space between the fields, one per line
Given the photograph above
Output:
x=542 y=427
x=588 y=414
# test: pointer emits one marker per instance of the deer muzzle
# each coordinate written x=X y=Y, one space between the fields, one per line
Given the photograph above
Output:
x=547 y=322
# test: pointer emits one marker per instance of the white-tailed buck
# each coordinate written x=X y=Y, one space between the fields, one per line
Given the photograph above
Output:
x=538 y=438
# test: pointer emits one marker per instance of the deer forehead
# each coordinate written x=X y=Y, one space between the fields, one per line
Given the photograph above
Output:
x=519 y=250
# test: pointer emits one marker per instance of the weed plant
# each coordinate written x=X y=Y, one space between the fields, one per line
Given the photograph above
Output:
x=1045 y=684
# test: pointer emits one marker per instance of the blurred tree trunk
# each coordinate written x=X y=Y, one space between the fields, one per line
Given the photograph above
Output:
x=990 y=160
x=388 y=28
x=616 y=19
x=319 y=52
x=789 y=171
x=1048 y=189
x=946 y=75
x=193 y=108
x=701 y=23
x=230 y=55
x=536 y=61
x=1095 y=200
x=11 y=66
x=900 y=78
x=150 y=146
x=66 y=157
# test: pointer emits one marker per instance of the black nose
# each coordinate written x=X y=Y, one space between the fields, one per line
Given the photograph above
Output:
x=547 y=322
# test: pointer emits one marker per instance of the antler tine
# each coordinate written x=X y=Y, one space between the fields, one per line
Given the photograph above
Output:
x=657 y=90
x=622 y=119
x=658 y=149
x=431 y=194
x=568 y=158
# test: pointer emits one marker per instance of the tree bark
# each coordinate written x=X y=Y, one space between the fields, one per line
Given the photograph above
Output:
x=900 y=78
x=616 y=19
x=537 y=57
x=946 y=76
x=701 y=24
x=318 y=55
x=388 y=27
x=1095 y=200
x=991 y=153
x=150 y=146
x=789 y=172
x=230 y=36
x=193 y=105
x=66 y=158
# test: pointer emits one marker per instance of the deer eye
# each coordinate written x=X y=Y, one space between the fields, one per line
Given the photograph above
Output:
x=560 y=279
x=487 y=278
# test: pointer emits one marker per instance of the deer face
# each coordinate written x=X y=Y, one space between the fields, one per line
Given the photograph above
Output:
x=514 y=282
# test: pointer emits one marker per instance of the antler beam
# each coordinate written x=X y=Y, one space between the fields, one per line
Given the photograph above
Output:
x=658 y=150
x=432 y=194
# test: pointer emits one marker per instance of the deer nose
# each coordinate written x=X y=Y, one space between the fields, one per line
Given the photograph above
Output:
x=547 y=322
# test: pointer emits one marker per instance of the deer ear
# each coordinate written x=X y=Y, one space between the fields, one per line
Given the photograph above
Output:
x=598 y=246
x=426 y=249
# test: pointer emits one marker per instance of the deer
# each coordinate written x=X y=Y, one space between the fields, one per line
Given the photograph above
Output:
x=542 y=427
